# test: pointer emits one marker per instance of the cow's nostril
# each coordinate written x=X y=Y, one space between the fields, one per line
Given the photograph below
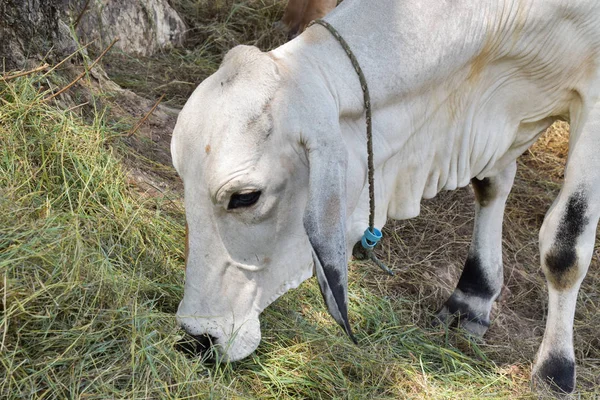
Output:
x=204 y=342
x=196 y=346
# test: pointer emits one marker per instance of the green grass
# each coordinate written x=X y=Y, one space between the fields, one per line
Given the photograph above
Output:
x=83 y=263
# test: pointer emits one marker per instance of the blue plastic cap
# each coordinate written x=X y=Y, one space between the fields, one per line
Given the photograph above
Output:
x=371 y=238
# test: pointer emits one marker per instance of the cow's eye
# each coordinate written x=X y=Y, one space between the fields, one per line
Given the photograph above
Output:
x=239 y=200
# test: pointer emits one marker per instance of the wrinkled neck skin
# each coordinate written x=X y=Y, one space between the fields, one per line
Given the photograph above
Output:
x=451 y=101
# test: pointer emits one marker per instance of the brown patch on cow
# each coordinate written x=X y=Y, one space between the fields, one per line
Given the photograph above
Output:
x=292 y=16
x=317 y=9
x=520 y=22
x=566 y=275
x=267 y=260
x=589 y=67
x=481 y=61
x=511 y=24
x=454 y=105
x=207 y=149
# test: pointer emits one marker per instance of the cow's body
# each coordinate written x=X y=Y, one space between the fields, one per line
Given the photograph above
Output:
x=459 y=90
x=452 y=101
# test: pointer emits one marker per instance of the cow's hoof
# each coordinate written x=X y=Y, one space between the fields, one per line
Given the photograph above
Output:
x=443 y=317
x=461 y=318
x=475 y=328
x=558 y=372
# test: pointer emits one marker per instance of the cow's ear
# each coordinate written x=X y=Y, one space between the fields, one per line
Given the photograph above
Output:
x=325 y=223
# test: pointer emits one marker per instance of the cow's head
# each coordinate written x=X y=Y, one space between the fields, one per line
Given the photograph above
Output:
x=264 y=173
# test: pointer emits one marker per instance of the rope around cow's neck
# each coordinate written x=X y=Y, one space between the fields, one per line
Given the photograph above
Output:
x=372 y=235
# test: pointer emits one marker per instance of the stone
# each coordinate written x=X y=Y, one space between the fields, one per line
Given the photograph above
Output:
x=143 y=27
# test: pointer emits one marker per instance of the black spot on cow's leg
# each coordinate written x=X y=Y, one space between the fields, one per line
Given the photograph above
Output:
x=561 y=260
x=469 y=305
x=474 y=282
x=481 y=279
x=559 y=372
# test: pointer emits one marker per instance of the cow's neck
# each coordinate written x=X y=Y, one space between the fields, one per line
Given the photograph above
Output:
x=399 y=61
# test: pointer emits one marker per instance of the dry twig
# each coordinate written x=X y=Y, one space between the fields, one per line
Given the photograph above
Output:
x=24 y=73
x=139 y=124
x=83 y=73
x=87 y=3
x=67 y=58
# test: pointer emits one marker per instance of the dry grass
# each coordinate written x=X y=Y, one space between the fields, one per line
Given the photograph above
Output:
x=91 y=269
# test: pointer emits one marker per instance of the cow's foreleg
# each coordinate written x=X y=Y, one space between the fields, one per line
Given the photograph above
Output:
x=567 y=240
x=481 y=279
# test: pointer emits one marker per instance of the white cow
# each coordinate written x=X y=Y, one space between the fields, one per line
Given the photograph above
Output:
x=271 y=150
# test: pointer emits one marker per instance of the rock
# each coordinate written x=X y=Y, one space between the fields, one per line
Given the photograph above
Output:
x=143 y=26
x=36 y=30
